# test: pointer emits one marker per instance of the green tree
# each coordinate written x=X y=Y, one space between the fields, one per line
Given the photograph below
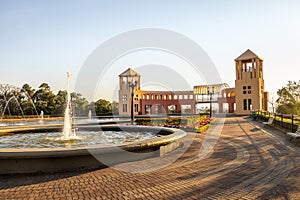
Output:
x=60 y=103
x=115 y=108
x=28 y=90
x=26 y=100
x=44 y=99
x=103 y=107
x=80 y=104
x=289 y=98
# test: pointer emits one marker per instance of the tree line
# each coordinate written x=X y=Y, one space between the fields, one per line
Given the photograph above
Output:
x=30 y=101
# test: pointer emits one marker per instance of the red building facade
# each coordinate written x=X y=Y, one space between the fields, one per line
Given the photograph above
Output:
x=248 y=93
x=166 y=102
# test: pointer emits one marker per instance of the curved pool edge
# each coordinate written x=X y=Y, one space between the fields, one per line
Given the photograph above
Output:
x=64 y=159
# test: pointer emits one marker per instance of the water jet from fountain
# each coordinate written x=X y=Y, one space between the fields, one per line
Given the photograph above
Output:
x=68 y=132
x=90 y=115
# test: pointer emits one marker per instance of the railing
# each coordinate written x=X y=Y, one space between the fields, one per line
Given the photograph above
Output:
x=290 y=122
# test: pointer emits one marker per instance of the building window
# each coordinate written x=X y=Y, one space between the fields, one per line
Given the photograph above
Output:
x=180 y=96
x=148 y=109
x=175 y=97
x=136 y=107
x=246 y=89
x=124 y=80
x=185 y=96
x=249 y=104
x=125 y=108
x=124 y=97
x=191 y=96
x=245 y=104
x=156 y=109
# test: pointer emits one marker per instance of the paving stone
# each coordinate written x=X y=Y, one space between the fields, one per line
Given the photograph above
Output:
x=243 y=165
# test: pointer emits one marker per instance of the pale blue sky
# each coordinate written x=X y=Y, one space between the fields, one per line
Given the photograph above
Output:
x=41 y=40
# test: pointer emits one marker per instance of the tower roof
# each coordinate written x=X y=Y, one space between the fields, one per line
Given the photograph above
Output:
x=247 y=55
x=129 y=72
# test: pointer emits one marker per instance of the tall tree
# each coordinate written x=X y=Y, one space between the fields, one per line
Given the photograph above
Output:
x=28 y=90
x=60 y=103
x=80 y=104
x=27 y=104
x=289 y=98
x=115 y=108
x=103 y=107
x=44 y=99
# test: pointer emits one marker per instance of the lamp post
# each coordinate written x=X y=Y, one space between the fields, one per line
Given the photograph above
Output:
x=210 y=100
x=132 y=85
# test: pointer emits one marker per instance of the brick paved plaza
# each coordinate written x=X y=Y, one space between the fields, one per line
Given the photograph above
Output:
x=247 y=162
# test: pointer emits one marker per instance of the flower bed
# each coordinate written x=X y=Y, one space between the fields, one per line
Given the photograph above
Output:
x=192 y=124
x=174 y=121
x=201 y=124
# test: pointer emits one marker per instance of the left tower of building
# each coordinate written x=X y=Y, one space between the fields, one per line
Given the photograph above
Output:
x=126 y=79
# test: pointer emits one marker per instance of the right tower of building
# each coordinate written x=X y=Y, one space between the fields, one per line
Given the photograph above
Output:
x=249 y=84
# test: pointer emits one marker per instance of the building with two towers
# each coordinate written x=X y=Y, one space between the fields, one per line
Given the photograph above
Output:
x=248 y=93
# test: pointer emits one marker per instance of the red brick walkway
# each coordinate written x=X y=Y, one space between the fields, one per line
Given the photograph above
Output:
x=247 y=162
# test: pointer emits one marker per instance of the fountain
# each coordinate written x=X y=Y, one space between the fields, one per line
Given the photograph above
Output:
x=114 y=145
x=10 y=103
x=41 y=117
x=90 y=115
x=7 y=103
x=68 y=133
x=55 y=147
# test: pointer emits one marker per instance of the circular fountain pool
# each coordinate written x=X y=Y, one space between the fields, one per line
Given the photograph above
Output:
x=82 y=139
x=97 y=147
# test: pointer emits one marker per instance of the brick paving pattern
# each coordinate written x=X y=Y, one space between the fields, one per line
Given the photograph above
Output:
x=247 y=162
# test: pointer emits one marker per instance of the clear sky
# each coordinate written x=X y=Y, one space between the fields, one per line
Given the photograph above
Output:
x=41 y=40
